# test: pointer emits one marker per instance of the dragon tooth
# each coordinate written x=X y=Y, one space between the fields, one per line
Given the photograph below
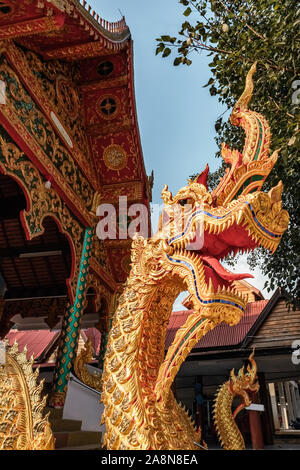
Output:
x=210 y=286
x=229 y=290
x=239 y=217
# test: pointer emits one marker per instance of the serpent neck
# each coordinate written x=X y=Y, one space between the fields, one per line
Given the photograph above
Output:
x=229 y=434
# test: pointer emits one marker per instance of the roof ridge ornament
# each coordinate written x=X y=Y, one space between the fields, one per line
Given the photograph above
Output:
x=62 y=5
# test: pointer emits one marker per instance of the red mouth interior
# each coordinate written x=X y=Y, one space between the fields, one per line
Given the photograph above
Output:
x=217 y=246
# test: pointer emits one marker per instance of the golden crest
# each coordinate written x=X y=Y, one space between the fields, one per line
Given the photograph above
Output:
x=22 y=424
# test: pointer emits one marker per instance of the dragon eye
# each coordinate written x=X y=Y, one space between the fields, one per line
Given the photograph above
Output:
x=183 y=202
x=189 y=200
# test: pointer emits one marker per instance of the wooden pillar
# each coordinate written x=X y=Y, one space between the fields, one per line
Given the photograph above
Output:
x=68 y=341
x=256 y=427
x=283 y=410
x=267 y=416
x=294 y=400
x=273 y=398
x=290 y=408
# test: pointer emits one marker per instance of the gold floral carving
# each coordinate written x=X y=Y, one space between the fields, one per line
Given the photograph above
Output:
x=134 y=191
x=44 y=89
x=22 y=423
x=28 y=28
x=80 y=51
x=67 y=96
x=99 y=253
x=104 y=84
x=115 y=157
x=123 y=123
x=62 y=171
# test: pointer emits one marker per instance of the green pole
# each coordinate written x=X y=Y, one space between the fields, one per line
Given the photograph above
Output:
x=68 y=341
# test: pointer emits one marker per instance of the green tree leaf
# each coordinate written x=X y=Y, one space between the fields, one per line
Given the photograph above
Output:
x=187 y=12
x=266 y=31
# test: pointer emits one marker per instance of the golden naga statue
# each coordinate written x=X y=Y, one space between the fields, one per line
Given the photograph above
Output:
x=241 y=385
x=80 y=367
x=140 y=409
x=22 y=425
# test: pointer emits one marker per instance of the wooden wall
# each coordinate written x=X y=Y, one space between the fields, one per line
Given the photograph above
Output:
x=280 y=329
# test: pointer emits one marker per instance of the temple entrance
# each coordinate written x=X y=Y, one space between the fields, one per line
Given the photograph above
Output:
x=33 y=272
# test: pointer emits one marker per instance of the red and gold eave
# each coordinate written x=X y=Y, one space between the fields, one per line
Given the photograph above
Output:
x=71 y=31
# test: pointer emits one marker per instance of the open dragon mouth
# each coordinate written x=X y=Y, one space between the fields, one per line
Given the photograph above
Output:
x=235 y=217
x=208 y=239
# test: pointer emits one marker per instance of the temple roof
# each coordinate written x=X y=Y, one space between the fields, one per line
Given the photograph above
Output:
x=223 y=335
x=67 y=23
x=77 y=70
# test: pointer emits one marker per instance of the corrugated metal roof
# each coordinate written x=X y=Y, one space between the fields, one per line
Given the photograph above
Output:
x=221 y=335
x=38 y=342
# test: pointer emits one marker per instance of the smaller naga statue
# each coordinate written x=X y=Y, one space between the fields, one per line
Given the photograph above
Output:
x=140 y=409
x=22 y=424
x=242 y=385
x=81 y=370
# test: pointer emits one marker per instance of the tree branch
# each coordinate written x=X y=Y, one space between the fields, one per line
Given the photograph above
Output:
x=241 y=21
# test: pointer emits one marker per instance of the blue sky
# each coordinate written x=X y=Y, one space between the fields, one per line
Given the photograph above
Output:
x=176 y=114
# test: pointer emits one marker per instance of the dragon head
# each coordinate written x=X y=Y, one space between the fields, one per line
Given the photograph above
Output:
x=199 y=234
x=199 y=228
x=244 y=384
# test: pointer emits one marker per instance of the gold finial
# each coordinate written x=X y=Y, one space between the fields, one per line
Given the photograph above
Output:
x=246 y=96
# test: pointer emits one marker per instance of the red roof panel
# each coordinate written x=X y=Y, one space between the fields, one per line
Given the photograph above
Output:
x=221 y=335
x=37 y=341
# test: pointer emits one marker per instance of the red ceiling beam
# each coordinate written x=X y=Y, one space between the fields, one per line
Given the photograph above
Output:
x=31 y=27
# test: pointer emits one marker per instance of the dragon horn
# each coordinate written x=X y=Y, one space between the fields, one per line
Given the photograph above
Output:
x=202 y=177
x=246 y=96
x=166 y=195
